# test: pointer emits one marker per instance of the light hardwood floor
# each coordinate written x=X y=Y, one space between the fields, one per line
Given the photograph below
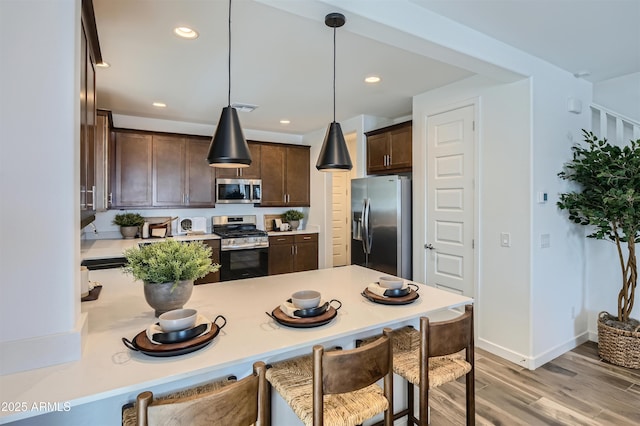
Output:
x=576 y=388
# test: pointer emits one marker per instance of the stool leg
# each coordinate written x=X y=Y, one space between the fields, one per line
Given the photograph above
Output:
x=410 y=404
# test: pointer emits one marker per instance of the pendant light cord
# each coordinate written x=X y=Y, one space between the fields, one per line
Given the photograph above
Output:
x=334 y=74
x=229 y=91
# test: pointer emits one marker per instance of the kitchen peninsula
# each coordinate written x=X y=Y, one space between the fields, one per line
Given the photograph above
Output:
x=94 y=389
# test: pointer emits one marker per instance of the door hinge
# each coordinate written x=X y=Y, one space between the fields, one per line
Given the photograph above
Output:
x=473 y=244
x=473 y=125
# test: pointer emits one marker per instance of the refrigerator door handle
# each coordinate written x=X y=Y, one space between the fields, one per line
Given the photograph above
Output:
x=365 y=223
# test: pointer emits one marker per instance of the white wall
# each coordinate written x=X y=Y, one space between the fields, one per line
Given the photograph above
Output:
x=621 y=94
x=503 y=181
x=559 y=319
x=40 y=320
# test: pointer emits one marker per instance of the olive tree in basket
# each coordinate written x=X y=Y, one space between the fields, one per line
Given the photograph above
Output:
x=607 y=200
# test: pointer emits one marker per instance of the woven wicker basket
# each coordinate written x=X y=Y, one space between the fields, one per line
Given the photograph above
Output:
x=618 y=346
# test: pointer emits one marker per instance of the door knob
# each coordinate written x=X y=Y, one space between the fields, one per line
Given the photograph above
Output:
x=429 y=246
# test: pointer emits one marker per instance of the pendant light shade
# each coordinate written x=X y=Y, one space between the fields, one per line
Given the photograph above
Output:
x=228 y=147
x=334 y=155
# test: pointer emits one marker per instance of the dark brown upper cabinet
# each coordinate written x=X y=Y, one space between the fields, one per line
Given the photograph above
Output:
x=285 y=175
x=389 y=149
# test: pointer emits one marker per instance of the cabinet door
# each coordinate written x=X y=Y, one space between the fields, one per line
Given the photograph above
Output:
x=297 y=176
x=132 y=174
x=254 y=171
x=377 y=149
x=400 y=149
x=281 y=254
x=273 y=163
x=169 y=171
x=199 y=175
x=251 y=172
x=306 y=252
x=91 y=135
x=102 y=160
x=83 y=121
x=212 y=277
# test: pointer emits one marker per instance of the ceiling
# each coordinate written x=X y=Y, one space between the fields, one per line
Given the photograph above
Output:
x=282 y=62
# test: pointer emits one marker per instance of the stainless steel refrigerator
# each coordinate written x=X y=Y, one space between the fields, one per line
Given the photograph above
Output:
x=381 y=224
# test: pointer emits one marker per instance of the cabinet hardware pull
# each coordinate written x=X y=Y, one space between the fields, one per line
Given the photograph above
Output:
x=306 y=238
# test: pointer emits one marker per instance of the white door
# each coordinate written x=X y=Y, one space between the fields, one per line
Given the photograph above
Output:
x=450 y=200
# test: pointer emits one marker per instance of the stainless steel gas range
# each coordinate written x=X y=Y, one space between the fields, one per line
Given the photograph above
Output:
x=244 y=249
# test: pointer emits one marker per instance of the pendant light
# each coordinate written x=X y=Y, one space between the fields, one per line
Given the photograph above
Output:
x=228 y=147
x=334 y=155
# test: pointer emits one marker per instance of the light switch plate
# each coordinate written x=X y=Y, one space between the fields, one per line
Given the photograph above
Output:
x=505 y=239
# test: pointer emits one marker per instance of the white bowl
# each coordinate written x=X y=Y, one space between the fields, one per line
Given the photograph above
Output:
x=178 y=319
x=305 y=299
x=390 y=282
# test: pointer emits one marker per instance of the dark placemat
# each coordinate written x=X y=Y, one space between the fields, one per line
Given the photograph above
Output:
x=402 y=300
x=316 y=321
x=93 y=294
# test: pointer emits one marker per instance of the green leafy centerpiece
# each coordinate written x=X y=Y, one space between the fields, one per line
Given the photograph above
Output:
x=168 y=269
x=608 y=202
x=293 y=217
x=129 y=224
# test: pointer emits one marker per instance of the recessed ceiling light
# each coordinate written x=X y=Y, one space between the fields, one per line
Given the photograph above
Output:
x=159 y=105
x=285 y=122
x=103 y=64
x=185 y=32
x=372 y=79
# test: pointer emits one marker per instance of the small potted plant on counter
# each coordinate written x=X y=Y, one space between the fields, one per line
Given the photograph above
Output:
x=168 y=269
x=129 y=224
x=293 y=218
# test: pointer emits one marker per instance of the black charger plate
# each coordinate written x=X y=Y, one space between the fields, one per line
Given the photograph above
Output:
x=314 y=312
x=179 y=335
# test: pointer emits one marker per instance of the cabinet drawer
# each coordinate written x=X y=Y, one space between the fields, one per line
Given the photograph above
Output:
x=305 y=238
x=281 y=239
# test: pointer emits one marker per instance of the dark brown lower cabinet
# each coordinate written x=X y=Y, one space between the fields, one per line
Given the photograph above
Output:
x=293 y=253
x=213 y=277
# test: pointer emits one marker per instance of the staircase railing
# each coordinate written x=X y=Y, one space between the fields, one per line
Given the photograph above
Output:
x=613 y=126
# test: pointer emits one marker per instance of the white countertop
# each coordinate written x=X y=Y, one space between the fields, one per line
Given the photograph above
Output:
x=108 y=369
x=104 y=249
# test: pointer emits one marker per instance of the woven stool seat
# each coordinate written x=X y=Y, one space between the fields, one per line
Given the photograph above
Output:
x=293 y=379
x=406 y=360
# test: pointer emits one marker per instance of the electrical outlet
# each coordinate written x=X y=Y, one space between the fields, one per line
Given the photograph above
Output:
x=545 y=240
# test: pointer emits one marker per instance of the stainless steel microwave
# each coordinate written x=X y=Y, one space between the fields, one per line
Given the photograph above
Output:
x=238 y=191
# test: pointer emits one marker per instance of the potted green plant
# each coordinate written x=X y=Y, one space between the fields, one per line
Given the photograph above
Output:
x=168 y=268
x=607 y=200
x=129 y=223
x=293 y=217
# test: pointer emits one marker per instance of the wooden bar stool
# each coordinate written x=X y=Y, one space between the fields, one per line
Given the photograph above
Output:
x=338 y=387
x=222 y=403
x=432 y=357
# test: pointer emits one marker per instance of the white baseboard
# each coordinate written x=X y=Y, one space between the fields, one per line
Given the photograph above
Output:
x=533 y=362
x=43 y=351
